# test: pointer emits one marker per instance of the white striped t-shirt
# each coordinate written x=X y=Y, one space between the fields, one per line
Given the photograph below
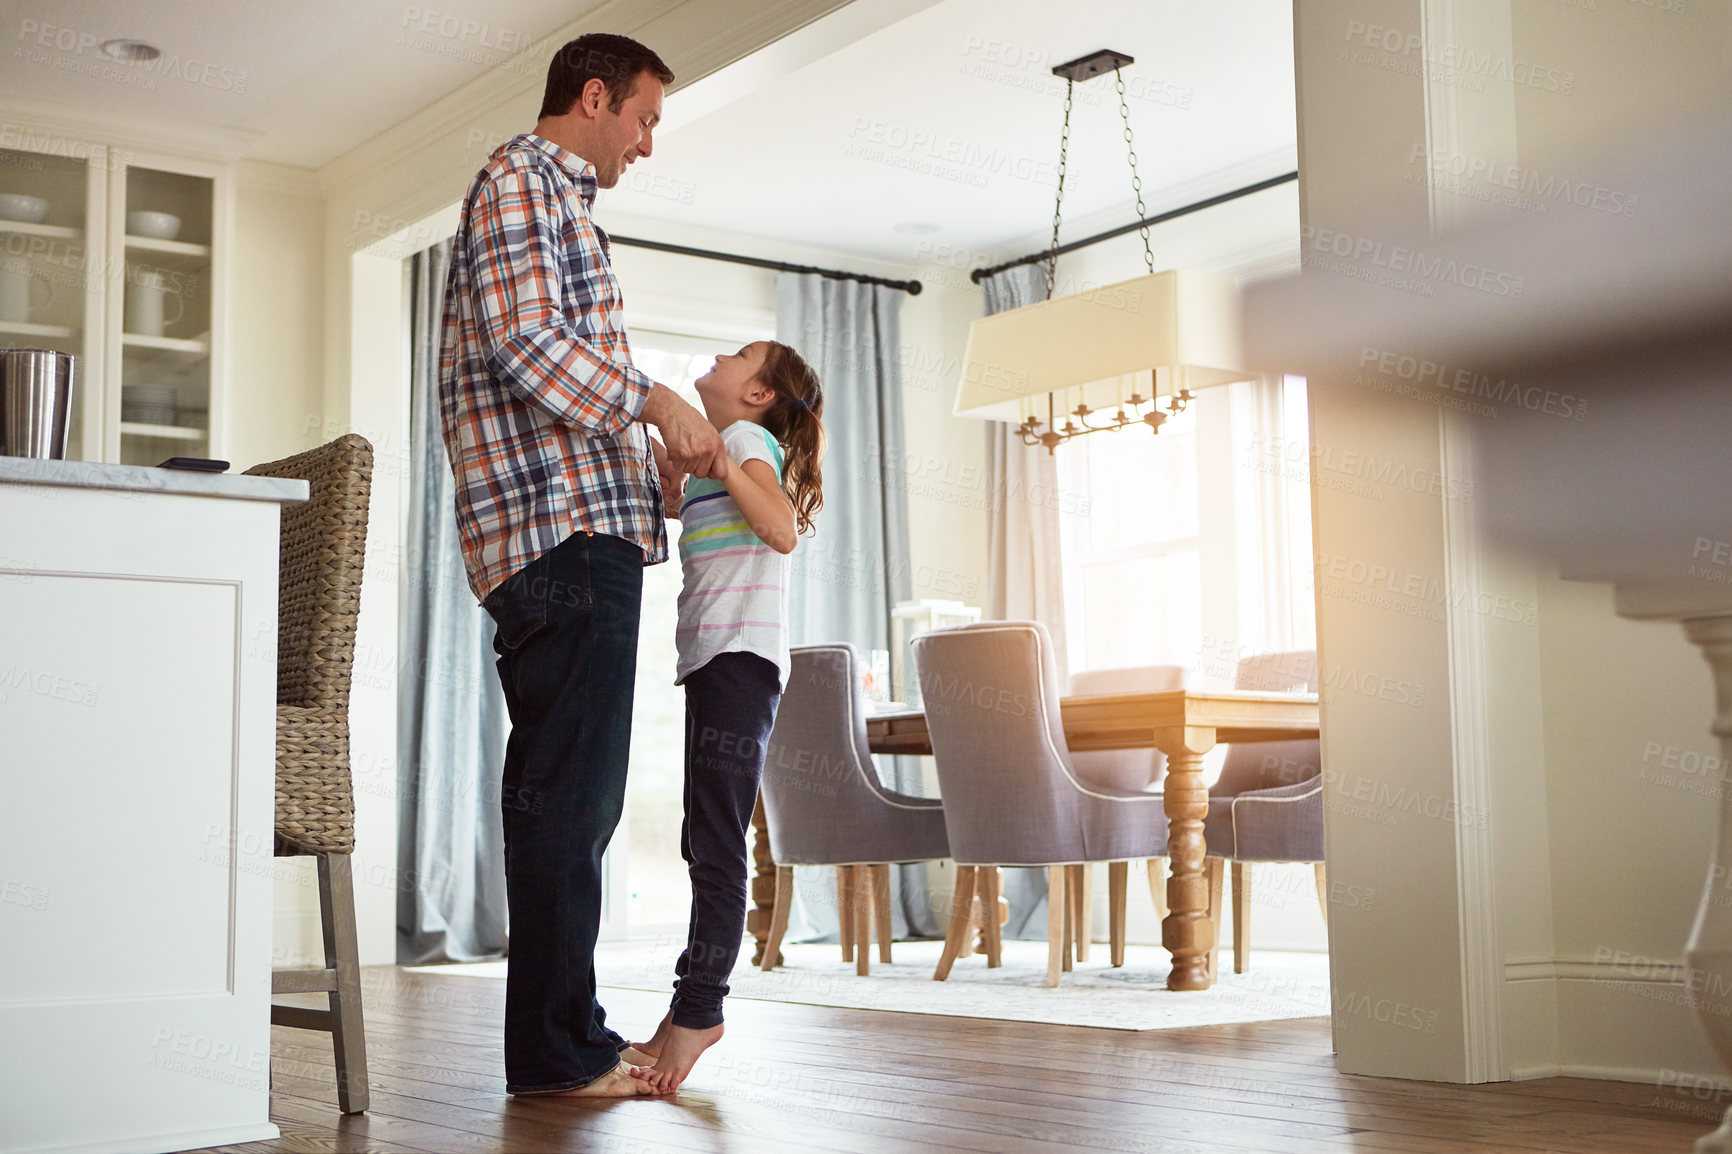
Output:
x=735 y=598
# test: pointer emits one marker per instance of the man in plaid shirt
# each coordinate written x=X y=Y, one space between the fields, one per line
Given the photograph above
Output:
x=558 y=510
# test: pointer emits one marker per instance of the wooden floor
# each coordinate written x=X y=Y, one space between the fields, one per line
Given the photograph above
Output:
x=807 y=1078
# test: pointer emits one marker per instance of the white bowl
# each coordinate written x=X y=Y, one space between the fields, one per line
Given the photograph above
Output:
x=155 y=225
x=26 y=209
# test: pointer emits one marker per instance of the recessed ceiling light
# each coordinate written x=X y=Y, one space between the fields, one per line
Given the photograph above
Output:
x=131 y=51
x=917 y=228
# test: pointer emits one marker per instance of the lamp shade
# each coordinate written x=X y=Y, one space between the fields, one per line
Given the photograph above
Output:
x=1181 y=326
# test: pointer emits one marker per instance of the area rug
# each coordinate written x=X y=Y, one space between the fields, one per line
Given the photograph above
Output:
x=1131 y=997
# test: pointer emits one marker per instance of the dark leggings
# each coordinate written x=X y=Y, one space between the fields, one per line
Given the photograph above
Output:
x=730 y=707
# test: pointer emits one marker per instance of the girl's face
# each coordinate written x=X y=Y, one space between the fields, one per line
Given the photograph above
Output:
x=733 y=381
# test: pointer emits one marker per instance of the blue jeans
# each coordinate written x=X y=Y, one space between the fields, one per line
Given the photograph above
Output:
x=730 y=708
x=567 y=645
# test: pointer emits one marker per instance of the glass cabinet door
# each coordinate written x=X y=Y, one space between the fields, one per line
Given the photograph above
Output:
x=52 y=272
x=161 y=396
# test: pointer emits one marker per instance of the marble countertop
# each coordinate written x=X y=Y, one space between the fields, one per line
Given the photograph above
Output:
x=142 y=479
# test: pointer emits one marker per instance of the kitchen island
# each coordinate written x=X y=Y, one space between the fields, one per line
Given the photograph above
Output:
x=138 y=635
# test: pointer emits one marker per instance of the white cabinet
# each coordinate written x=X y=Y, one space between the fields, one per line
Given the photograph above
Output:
x=128 y=269
x=138 y=621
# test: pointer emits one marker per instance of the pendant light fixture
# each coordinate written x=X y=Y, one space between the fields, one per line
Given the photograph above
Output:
x=1086 y=359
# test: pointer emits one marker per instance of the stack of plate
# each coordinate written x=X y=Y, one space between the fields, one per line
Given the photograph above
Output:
x=148 y=404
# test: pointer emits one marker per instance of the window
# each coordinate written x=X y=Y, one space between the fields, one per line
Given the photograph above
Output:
x=1132 y=576
x=658 y=893
x=1196 y=546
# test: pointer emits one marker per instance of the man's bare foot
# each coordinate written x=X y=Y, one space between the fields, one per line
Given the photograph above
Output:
x=680 y=1050
x=622 y=1081
x=652 y=1049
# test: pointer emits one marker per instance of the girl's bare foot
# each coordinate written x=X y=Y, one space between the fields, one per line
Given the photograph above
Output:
x=645 y=1053
x=680 y=1050
x=620 y=1082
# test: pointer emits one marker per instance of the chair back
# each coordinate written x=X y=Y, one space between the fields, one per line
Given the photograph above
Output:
x=1129 y=769
x=992 y=710
x=1267 y=764
x=324 y=542
x=822 y=794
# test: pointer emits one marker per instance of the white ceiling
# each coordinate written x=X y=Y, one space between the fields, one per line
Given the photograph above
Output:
x=888 y=112
x=312 y=78
x=950 y=117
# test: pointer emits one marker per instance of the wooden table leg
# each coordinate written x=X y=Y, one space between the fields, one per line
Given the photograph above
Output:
x=1187 y=931
x=763 y=886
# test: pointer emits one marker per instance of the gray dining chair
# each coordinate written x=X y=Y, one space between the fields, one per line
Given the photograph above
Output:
x=1132 y=769
x=826 y=805
x=1012 y=795
x=1267 y=805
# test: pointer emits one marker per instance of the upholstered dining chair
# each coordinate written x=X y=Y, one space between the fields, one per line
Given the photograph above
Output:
x=1130 y=769
x=324 y=542
x=1012 y=795
x=826 y=805
x=1267 y=805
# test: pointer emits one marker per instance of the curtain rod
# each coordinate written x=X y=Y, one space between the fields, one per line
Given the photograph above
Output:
x=911 y=287
x=981 y=274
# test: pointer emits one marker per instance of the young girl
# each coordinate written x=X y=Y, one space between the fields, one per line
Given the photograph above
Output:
x=735 y=537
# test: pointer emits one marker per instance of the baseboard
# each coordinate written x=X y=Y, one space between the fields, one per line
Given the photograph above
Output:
x=1614 y=1019
x=163 y=1143
x=1697 y=1078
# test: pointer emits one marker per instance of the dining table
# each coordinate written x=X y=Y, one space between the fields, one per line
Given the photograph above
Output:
x=1184 y=724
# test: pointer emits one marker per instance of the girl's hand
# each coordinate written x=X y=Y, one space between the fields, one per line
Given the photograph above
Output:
x=673 y=493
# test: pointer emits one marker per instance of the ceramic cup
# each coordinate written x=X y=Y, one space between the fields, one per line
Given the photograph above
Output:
x=17 y=282
x=146 y=298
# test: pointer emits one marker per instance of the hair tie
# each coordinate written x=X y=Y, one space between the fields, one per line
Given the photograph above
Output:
x=800 y=403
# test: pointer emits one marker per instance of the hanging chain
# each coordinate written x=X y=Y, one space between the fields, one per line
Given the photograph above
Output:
x=1136 y=181
x=1058 y=199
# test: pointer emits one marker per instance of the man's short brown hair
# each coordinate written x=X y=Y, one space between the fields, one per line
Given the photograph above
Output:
x=617 y=61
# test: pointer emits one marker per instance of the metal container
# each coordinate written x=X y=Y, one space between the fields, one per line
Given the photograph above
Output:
x=35 y=402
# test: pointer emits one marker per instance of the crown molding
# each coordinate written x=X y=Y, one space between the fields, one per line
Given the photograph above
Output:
x=119 y=132
x=268 y=176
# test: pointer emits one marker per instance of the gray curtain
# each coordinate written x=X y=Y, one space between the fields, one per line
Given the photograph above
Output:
x=451 y=712
x=854 y=568
x=1025 y=577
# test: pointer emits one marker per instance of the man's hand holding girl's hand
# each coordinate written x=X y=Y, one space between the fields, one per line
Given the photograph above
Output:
x=693 y=445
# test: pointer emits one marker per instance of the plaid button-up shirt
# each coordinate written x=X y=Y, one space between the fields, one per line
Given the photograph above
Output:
x=537 y=392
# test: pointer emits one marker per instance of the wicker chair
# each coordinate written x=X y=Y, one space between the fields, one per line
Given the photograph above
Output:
x=319 y=593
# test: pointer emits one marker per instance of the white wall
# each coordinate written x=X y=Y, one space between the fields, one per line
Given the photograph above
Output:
x=1535 y=925
x=276 y=396
x=276 y=346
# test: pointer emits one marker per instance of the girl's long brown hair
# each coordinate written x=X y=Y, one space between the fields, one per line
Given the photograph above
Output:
x=795 y=418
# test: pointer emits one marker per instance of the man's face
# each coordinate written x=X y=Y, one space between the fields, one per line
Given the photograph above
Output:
x=625 y=135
